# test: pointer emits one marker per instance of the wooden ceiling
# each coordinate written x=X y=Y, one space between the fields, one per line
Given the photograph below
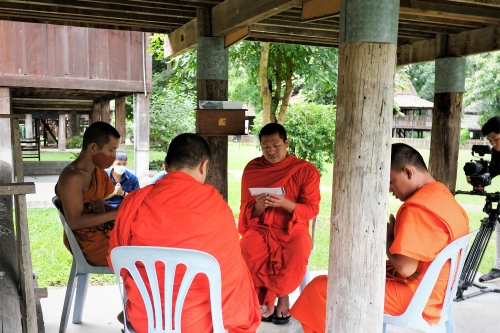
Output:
x=468 y=26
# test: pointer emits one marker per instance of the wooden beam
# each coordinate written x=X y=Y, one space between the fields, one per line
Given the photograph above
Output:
x=319 y=9
x=491 y=3
x=447 y=10
x=232 y=15
x=17 y=188
x=181 y=40
x=462 y=44
x=13 y=116
x=290 y=32
x=236 y=36
x=72 y=83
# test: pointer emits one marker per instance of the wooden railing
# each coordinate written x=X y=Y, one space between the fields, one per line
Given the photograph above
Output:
x=410 y=121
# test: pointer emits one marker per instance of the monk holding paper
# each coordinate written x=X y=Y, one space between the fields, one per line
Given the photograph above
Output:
x=275 y=227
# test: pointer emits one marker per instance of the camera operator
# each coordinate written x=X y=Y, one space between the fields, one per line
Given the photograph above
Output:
x=491 y=130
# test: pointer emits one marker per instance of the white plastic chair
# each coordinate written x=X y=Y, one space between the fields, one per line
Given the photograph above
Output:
x=80 y=269
x=126 y=257
x=412 y=317
x=307 y=276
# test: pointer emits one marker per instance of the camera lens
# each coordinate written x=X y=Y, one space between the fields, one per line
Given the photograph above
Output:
x=471 y=168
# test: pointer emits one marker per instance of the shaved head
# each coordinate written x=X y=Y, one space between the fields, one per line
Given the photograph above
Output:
x=402 y=155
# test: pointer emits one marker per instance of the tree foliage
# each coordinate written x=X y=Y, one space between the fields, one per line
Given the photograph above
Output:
x=422 y=77
x=483 y=85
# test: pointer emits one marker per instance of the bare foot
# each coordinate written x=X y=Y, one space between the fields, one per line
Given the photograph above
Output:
x=120 y=317
x=283 y=307
x=266 y=311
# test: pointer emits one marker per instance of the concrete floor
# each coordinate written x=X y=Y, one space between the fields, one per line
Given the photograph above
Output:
x=475 y=315
x=480 y=314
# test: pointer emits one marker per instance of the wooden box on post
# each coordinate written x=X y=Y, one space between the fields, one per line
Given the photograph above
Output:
x=220 y=121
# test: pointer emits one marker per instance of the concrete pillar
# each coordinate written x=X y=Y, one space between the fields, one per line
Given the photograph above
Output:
x=5 y=133
x=141 y=137
x=29 y=126
x=105 y=112
x=367 y=64
x=446 y=120
x=212 y=84
x=61 y=133
x=10 y=314
x=120 y=120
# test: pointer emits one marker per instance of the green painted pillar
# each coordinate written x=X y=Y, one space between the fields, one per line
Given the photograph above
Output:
x=446 y=120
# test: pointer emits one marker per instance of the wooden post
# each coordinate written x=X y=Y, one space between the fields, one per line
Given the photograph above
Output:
x=73 y=125
x=446 y=120
x=212 y=84
x=61 y=133
x=141 y=137
x=367 y=63
x=10 y=306
x=28 y=308
x=120 y=120
x=96 y=113
x=5 y=134
x=105 y=115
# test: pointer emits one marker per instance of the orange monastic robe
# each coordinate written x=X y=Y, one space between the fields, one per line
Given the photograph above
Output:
x=277 y=244
x=94 y=241
x=178 y=211
x=425 y=224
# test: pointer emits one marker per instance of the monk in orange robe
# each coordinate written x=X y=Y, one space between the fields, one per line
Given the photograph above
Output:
x=429 y=219
x=82 y=187
x=180 y=211
x=275 y=228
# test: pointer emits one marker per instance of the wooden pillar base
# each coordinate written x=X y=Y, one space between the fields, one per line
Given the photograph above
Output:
x=360 y=187
x=445 y=134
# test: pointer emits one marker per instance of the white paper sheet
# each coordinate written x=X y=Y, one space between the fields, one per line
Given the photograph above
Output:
x=254 y=191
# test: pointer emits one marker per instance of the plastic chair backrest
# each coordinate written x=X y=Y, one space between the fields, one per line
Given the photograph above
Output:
x=455 y=253
x=82 y=266
x=126 y=257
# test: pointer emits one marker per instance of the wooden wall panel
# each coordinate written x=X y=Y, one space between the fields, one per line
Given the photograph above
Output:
x=31 y=51
x=56 y=51
x=34 y=44
x=135 y=65
x=117 y=56
x=13 y=50
x=98 y=54
x=78 y=53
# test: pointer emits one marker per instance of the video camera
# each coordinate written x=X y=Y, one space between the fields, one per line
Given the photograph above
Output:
x=479 y=170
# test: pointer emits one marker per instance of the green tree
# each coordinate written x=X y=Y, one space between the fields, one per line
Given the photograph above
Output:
x=483 y=85
x=422 y=76
x=276 y=70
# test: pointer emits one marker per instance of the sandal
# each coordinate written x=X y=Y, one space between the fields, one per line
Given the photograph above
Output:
x=270 y=318
x=280 y=320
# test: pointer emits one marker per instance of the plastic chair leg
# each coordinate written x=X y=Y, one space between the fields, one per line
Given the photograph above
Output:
x=383 y=328
x=68 y=299
x=81 y=293
x=305 y=280
x=450 y=325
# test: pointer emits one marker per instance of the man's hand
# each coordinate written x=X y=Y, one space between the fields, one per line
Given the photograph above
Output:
x=404 y=265
x=390 y=231
x=118 y=189
x=273 y=200
x=260 y=205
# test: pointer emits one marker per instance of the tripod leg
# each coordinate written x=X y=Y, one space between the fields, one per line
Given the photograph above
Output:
x=475 y=256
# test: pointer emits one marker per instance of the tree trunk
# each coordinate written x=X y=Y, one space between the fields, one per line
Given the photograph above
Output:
x=360 y=187
x=288 y=91
x=445 y=138
x=264 y=84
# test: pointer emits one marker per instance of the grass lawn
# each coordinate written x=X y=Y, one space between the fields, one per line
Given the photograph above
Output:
x=52 y=263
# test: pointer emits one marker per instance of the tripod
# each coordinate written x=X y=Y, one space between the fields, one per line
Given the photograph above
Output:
x=478 y=247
